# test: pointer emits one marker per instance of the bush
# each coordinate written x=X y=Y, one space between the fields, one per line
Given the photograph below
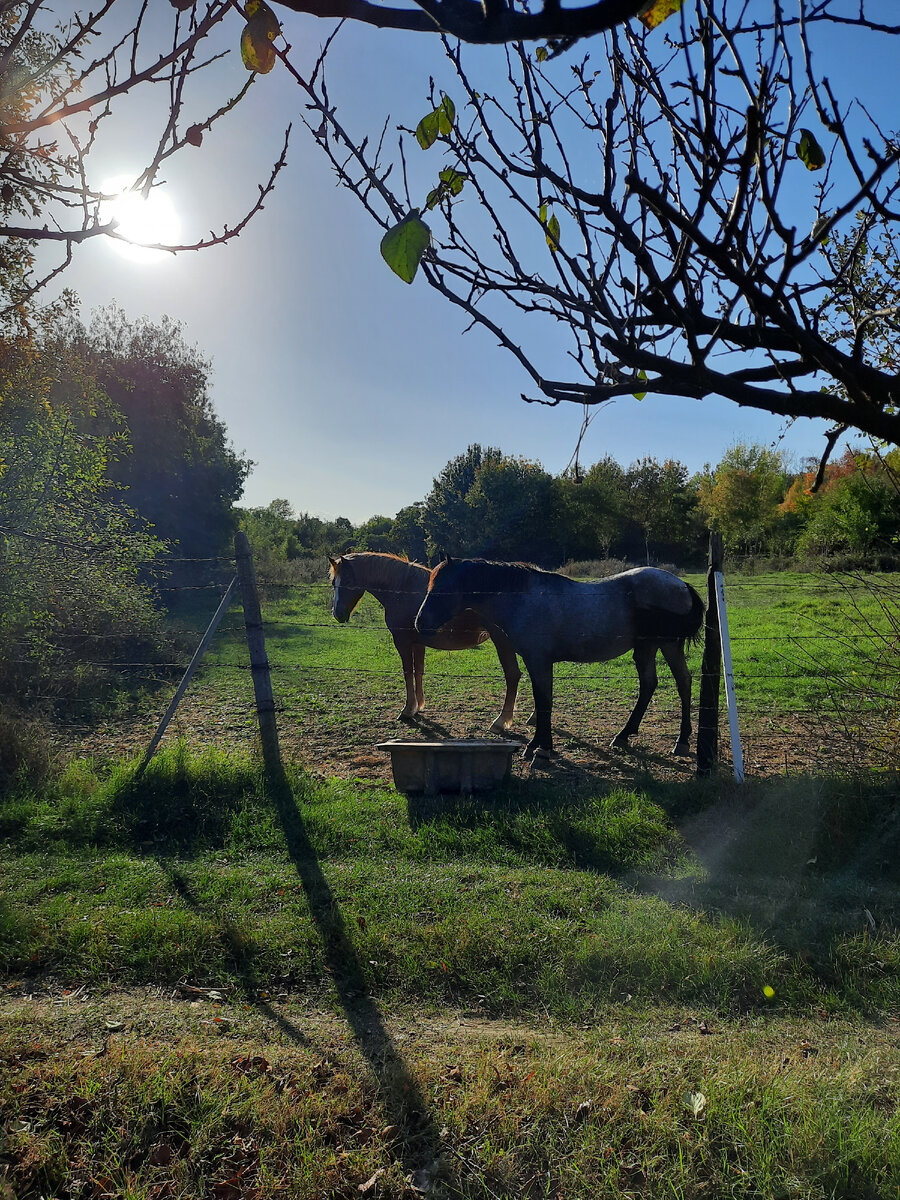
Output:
x=24 y=747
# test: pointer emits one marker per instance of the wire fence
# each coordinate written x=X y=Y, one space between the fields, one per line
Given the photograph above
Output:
x=816 y=663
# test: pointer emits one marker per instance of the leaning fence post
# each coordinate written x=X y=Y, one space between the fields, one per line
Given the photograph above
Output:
x=186 y=678
x=259 y=662
x=710 y=669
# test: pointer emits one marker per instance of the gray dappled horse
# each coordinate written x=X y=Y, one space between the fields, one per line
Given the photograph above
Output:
x=399 y=586
x=549 y=618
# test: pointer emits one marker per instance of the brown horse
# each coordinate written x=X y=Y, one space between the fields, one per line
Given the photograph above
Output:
x=399 y=586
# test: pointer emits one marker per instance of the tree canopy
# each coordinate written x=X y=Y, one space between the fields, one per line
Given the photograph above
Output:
x=180 y=472
x=709 y=212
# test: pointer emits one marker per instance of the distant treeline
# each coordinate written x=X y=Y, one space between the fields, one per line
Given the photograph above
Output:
x=486 y=503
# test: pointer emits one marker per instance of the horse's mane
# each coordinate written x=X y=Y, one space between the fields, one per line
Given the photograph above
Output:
x=377 y=554
x=381 y=566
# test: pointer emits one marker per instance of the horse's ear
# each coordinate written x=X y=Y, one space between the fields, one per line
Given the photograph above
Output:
x=445 y=557
x=335 y=562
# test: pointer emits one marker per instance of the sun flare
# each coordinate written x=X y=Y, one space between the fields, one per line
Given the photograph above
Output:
x=144 y=222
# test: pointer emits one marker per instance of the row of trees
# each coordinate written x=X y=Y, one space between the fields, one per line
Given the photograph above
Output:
x=486 y=503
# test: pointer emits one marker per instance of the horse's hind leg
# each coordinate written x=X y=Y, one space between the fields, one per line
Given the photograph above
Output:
x=645 y=660
x=512 y=674
x=673 y=653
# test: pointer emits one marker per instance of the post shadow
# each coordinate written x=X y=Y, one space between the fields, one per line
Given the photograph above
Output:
x=241 y=959
x=400 y=1094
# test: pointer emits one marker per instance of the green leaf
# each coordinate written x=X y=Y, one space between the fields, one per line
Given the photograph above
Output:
x=451 y=184
x=446 y=115
x=402 y=246
x=551 y=226
x=257 y=50
x=656 y=11
x=810 y=152
x=453 y=179
x=437 y=123
x=542 y=54
x=640 y=395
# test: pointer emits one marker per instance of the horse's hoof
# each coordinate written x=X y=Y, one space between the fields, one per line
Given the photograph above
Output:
x=532 y=752
x=500 y=726
x=407 y=718
x=681 y=750
x=620 y=742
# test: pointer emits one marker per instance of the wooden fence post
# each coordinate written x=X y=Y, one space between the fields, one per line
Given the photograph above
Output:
x=259 y=662
x=710 y=669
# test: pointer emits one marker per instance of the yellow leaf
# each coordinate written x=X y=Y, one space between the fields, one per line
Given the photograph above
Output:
x=656 y=11
x=257 y=51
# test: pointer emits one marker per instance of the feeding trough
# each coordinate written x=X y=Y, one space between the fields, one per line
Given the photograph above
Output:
x=451 y=765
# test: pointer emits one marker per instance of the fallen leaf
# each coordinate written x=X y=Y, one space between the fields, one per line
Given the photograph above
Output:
x=161 y=1155
x=694 y=1102
x=370 y=1183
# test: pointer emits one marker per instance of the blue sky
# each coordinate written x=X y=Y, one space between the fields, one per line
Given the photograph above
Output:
x=349 y=389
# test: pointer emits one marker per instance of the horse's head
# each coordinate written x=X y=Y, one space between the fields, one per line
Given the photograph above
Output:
x=444 y=599
x=347 y=592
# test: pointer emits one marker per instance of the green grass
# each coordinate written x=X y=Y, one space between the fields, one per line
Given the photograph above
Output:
x=533 y=900
x=799 y=641
x=294 y=990
x=220 y=1105
x=233 y=1109
x=216 y=987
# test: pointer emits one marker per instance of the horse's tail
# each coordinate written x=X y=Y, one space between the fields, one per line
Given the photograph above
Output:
x=662 y=624
x=696 y=617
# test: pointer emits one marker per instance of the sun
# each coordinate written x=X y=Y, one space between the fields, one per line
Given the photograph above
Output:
x=151 y=221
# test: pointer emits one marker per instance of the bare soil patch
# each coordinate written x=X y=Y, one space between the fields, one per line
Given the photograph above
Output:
x=336 y=733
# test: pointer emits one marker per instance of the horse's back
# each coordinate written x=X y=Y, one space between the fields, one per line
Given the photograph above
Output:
x=666 y=607
x=573 y=621
x=654 y=588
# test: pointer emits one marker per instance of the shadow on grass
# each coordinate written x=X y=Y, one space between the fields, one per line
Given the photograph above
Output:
x=405 y=1105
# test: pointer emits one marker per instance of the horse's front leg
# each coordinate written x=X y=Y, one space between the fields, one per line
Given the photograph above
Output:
x=645 y=660
x=542 y=688
x=404 y=646
x=418 y=653
x=512 y=674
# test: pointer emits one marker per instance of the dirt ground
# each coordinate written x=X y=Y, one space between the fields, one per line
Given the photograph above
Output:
x=336 y=733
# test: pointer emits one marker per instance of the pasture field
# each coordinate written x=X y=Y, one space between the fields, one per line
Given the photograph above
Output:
x=816 y=664
x=603 y=980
